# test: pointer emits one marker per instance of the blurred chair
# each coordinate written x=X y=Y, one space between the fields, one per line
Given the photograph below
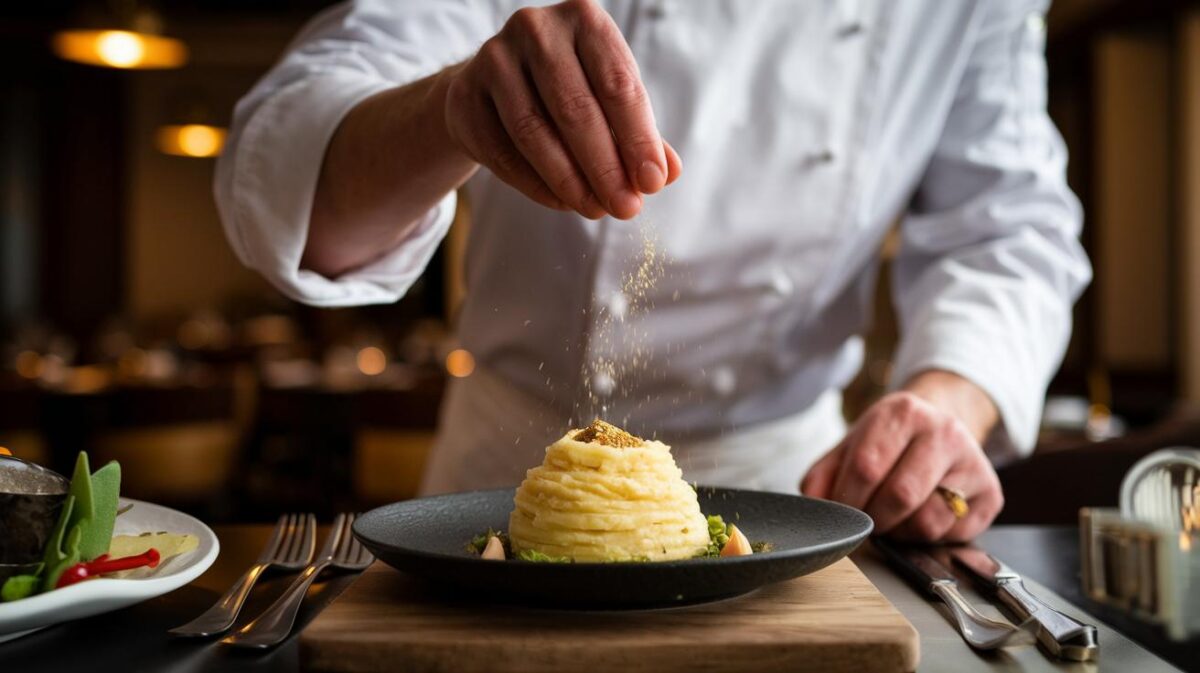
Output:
x=395 y=431
x=176 y=445
x=388 y=463
x=176 y=463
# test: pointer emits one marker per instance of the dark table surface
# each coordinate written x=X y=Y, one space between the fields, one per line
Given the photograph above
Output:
x=134 y=639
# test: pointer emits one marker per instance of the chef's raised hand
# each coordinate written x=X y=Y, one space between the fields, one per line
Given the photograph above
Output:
x=905 y=446
x=554 y=105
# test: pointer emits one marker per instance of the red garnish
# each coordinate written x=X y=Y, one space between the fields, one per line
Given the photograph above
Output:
x=103 y=565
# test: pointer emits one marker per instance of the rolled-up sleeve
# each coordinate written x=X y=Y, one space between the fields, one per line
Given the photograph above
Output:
x=990 y=262
x=267 y=175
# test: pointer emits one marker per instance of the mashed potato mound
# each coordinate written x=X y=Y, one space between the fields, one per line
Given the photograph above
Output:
x=603 y=494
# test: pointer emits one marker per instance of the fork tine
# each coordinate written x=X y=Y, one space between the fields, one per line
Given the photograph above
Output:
x=293 y=538
x=355 y=547
x=334 y=538
x=346 y=538
x=304 y=550
x=268 y=551
x=312 y=544
x=354 y=553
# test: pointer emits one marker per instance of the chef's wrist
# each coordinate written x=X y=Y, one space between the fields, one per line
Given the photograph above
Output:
x=959 y=397
x=439 y=112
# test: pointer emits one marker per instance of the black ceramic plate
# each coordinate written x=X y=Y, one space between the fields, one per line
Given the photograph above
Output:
x=428 y=537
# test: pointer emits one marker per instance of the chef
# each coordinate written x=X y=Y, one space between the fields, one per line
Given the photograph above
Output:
x=757 y=154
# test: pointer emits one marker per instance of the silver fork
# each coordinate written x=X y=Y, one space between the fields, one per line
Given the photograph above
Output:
x=290 y=548
x=341 y=551
x=980 y=632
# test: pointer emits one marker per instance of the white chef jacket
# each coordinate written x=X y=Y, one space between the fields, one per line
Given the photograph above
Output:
x=806 y=129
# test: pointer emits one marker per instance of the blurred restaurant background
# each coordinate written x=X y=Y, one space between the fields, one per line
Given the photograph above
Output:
x=128 y=328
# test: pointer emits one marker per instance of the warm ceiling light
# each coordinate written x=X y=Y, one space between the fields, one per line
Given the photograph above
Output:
x=371 y=361
x=460 y=363
x=191 y=140
x=120 y=49
x=29 y=364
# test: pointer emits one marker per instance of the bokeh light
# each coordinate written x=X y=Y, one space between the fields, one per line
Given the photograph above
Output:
x=460 y=363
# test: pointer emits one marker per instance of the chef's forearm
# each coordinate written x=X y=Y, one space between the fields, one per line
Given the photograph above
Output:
x=958 y=396
x=389 y=162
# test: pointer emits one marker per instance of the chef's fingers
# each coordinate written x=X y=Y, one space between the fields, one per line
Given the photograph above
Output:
x=566 y=93
x=935 y=520
x=613 y=74
x=984 y=507
x=819 y=480
x=674 y=163
x=871 y=452
x=486 y=141
x=535 y=136
x=911 y=481
x=932 y=520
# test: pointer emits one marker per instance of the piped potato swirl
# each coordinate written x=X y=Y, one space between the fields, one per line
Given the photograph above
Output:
x=602 y=494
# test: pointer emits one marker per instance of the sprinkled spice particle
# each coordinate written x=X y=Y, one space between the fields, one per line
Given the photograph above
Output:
x=607 y=434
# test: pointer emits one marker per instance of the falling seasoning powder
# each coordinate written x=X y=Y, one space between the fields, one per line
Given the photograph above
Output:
x=614 y=331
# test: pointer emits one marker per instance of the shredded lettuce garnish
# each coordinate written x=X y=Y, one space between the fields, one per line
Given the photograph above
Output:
x=538 y=557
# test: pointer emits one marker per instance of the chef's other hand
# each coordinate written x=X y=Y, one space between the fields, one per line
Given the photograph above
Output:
x=554 y=105
x=905 y=446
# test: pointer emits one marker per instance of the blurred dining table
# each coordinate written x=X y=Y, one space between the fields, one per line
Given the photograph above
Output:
x=135 y=639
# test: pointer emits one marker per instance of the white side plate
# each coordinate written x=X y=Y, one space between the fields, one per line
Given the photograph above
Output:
x=93 y=597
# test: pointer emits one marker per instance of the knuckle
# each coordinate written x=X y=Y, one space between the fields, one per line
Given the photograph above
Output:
x=491 y=57
x=867 y=466
x=904 y=403
x=950 y=432
x=621 y=86
x=525 y=20
x=643 y=143
x=571 y=188
x=609 y=172
x=530 y=127
x=577 y=108
x=504 y=162
x=907 y=493
x=585 y=10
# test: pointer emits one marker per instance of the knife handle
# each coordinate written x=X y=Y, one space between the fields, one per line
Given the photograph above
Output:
x=1064 y=636
x=906 y=565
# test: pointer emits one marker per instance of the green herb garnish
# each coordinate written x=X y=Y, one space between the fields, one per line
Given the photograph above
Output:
x=536 y=556
x=479 y=542
x=718 y=535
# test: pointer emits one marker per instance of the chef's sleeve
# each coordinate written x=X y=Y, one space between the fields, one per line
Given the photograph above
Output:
x=267 y=174
x=990 y=262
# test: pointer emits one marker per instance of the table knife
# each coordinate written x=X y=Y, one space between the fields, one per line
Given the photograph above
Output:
x=1059 y=635
x=936 y=581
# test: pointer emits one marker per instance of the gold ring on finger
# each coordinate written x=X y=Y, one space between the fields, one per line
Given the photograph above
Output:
x=955 y=500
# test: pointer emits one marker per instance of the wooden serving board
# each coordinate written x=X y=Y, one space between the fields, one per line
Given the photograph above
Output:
x=831 y=620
